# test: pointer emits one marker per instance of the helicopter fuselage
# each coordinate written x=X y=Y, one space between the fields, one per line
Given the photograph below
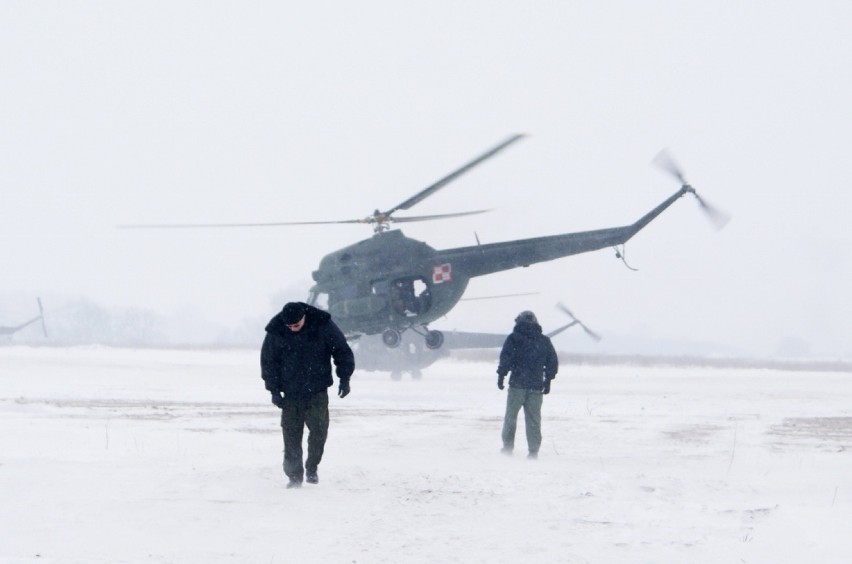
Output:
x=388 y=281
x=392 y=282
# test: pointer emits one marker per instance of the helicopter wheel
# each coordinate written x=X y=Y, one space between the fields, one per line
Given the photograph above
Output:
x=391 y=338
x=434 y=339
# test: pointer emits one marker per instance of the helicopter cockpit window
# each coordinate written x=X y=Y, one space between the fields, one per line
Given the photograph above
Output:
x=410 y=296
x=343 y=294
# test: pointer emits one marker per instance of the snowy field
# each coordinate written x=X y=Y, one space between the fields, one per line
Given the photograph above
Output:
x=140 y=456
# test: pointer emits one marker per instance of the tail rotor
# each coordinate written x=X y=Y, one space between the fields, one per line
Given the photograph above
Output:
x=575 y=321
x=716 y=216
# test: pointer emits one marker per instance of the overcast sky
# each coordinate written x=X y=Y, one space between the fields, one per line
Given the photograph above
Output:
x=148 y=112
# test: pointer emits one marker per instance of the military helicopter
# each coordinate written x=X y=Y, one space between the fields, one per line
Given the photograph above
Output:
x=12 y=329
x=390 y=284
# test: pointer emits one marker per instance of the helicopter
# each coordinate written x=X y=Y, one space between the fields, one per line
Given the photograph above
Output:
x=390 y=284
x=12 y=329
x=412 y=356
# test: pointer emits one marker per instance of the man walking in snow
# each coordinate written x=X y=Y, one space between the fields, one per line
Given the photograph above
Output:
x=295 y=361
x=530 y=357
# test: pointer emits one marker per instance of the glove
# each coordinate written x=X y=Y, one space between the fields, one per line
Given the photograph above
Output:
x=546 y=389
x=500 y=382
x=277 y=400
x=344 y=389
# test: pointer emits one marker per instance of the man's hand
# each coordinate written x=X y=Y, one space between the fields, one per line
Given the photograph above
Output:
x=500 y=382
x=277 y=400
x=344 y=389
x=546 y=389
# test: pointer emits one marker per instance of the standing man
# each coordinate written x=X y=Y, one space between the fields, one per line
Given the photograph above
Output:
x=530 y=357
x=295 y=361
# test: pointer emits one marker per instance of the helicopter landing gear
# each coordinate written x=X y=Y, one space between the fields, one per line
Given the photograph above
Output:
x=396 y=375
x=434 y=339
x=391 y=338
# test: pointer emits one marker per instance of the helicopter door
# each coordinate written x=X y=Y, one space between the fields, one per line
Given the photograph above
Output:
x=410 y=296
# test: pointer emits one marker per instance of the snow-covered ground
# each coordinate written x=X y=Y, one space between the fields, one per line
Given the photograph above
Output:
x=110 y=455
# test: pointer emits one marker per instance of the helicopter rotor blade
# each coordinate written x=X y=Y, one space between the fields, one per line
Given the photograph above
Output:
x=368 y=219
x=588 y=331
x=41 y=316
x=565 y=310
x=665 y=161
x=437 y=216
x=716 y=216
x=216 y=225
x=498 y=297
x=559 y=330
x=379 y=219
x=428 y=191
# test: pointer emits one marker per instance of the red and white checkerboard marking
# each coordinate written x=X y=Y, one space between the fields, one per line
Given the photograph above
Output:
x=442 y=273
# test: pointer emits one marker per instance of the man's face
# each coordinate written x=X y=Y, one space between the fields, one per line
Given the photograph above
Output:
x=297 y=326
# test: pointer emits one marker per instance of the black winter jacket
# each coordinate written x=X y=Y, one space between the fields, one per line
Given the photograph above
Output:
x=298 y=363
x=529 y=356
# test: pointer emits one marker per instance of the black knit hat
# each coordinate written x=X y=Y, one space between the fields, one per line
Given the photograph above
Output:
x=293 y=312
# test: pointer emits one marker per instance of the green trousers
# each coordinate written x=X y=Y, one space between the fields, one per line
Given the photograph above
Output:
x=531 y=401
x=298 y=413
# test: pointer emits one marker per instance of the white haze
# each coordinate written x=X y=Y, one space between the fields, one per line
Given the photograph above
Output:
x=158 y=112
x=140 y=456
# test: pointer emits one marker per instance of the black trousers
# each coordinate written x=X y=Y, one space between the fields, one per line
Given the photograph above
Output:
x=298 y=413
